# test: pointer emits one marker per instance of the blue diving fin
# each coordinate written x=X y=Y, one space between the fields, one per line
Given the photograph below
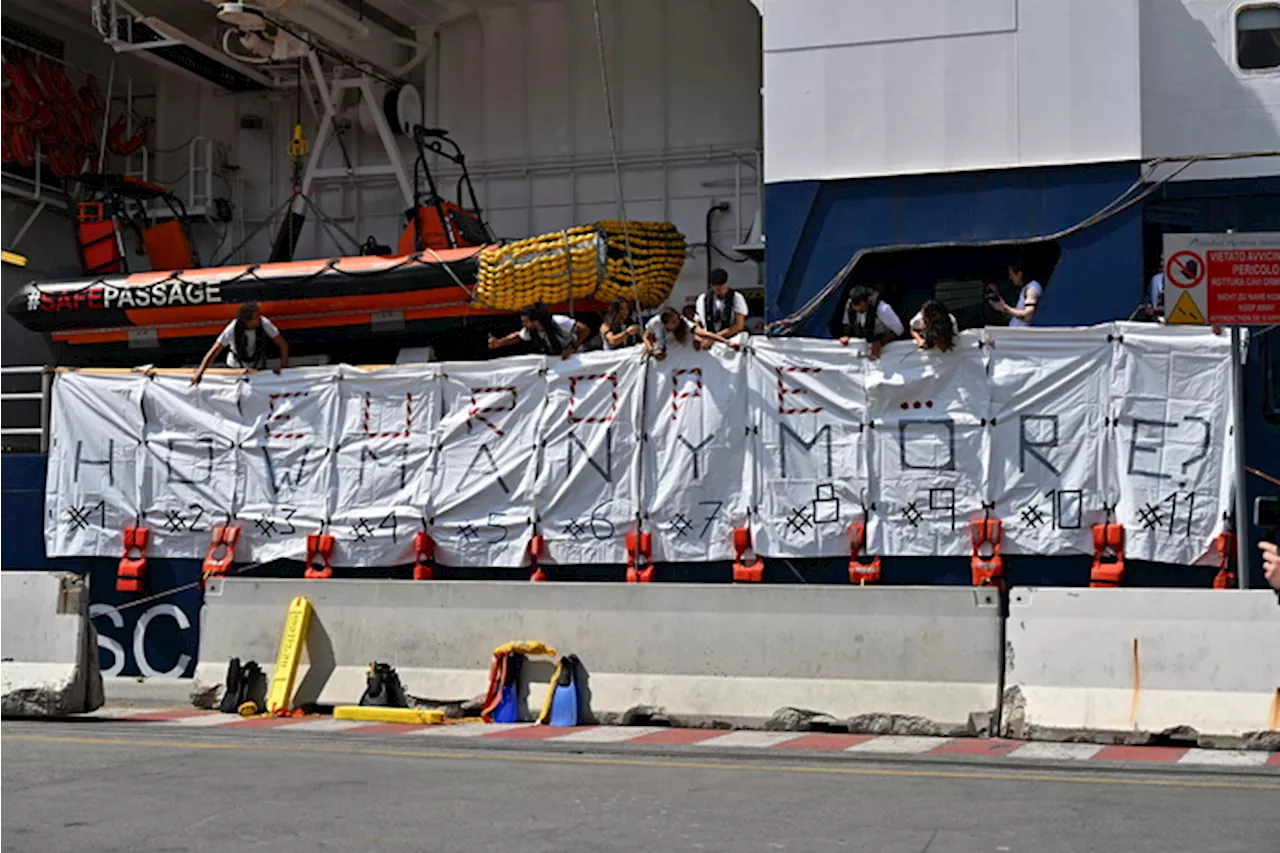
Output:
x=507 y=709
x=564 y=697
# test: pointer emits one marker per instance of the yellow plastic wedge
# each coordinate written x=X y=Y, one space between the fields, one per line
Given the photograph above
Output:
x=296 y=624
x=369 y=714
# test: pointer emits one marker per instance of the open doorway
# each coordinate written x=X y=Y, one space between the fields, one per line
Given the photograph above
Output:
x=955 y=275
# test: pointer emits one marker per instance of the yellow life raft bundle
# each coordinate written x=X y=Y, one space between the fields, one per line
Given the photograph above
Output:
x=590 y=262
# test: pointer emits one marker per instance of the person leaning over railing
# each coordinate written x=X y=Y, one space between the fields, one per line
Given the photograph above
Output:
x=933 y=327
x=245 y=339
x=671 y=329
x=869 y=318
x=550 y=334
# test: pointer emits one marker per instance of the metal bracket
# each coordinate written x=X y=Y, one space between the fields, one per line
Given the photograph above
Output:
x=126 y=30
x=331 y=96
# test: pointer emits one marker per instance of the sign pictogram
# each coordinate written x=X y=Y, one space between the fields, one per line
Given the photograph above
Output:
x=1185 y=310
x=1184 y=269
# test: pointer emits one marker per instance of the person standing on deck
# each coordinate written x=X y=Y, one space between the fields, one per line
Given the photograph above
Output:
x=1155 y=297
x=721 y=309
x=1029 y=293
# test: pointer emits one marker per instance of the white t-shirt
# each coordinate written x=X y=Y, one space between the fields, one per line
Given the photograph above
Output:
x=886 y=318
x=1155 y=289
x=661 y=337
x=717 y=305
x=565 y=325
x=227 y=337
x=1029 y=289
x=917 y=323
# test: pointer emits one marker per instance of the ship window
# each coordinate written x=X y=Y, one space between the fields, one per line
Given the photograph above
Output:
x=1258 y=37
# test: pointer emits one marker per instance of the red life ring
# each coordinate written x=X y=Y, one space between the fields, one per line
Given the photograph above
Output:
x=90 y=99
x=116 y=144
x=55 y=83
x=43 y=118
x=64 y=160
x=19 y=145
x=14 y=109
x=20 y=77
x=70 y=129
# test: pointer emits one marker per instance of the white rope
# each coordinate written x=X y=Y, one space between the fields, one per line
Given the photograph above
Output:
x=613 y=152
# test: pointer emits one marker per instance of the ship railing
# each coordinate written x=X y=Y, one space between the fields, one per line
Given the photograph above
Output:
x=28 y=421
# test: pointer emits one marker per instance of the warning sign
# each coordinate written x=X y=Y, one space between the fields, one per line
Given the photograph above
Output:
x=1185 y=310
x=1222 y=279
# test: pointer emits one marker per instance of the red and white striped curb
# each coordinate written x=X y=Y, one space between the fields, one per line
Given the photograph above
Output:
x=861 y=745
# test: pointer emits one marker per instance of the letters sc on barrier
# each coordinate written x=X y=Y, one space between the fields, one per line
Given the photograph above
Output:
x=158 y=638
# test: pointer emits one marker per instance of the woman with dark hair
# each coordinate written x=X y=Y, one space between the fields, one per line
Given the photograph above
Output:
x=934 y=327
x=619 y=329
x=245 y=339
x=670 y=327
x=550 y=334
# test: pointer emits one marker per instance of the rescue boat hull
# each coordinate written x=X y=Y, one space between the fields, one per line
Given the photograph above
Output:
x=320 y=305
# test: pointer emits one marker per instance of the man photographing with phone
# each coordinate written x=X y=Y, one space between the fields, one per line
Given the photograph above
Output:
x=1266 y=515
x=1029 y=293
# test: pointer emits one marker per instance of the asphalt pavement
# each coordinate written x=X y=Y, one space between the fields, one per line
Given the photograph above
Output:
x=125 y=787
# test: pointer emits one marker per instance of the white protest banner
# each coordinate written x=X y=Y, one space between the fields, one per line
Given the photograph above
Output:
x=807 y=407
x=480 y=504
x=1048 y=430
x=284 y=475
x=386 y=445
x=1049 y=442
x=187 y=470
x=928 y=446
x=695 y=453
x=1172 y=460
x=586 y=481
x=91 y=485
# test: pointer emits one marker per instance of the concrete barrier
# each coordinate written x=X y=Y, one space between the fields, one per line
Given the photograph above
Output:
x=900 y=659
x=1128 y=664
x=48 y=646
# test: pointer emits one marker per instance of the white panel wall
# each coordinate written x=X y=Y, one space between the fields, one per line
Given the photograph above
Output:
x=519 y=88
x=858 y=88
x=1194 y=97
